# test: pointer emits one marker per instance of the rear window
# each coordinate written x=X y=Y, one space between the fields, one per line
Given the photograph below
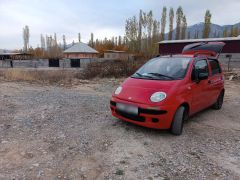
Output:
x=215 y=66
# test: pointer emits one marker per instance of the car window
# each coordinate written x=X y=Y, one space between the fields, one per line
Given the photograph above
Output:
x=200 y=66
x=215 y=66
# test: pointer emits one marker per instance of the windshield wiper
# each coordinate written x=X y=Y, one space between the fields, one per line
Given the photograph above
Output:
x=162 y=75
x=138 y=74
x=143 y=75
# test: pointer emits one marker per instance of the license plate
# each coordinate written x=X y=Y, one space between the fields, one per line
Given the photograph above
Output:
x=127 y=108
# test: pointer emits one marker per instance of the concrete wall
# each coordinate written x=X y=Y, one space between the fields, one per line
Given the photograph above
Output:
x=42 y=63
x=116 y=55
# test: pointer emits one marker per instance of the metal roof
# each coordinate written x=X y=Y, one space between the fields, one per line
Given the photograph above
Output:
x=199 y=40
x=80 y=48
x=12 y=53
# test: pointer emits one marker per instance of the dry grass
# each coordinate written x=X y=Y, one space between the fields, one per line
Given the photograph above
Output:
x=43 y=76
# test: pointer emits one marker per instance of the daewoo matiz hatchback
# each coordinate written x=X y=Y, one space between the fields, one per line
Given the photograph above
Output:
x=165 y=91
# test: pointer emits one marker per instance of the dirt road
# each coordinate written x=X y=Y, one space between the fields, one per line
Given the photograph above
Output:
x=50 y=132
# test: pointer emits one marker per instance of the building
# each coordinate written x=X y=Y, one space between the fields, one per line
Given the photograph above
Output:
x=230 y=52
x=116 y=55
x=80 y=54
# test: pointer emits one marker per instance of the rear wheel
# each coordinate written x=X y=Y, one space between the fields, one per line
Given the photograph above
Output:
x=218 y=104
x=177 y=123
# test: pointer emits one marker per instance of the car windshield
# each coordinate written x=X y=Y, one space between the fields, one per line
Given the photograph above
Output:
x=162 y=68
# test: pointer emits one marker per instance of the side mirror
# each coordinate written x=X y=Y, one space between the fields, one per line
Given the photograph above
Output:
x=202 y=76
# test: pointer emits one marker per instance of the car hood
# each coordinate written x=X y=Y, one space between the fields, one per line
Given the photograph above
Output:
x=140 y=90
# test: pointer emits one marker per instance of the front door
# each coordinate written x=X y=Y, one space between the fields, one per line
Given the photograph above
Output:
x=200 y=89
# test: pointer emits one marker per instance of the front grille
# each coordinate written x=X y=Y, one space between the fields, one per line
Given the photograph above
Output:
x=113 y=103
x=130 y=116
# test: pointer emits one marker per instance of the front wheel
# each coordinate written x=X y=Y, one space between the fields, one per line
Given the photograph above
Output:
x=177 y=123
x=218 y=104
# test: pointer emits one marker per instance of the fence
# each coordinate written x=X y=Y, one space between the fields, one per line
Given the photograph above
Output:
x=45 y=63
x=230 y=61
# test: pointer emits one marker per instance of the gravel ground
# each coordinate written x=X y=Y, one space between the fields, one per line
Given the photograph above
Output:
x=58 y=132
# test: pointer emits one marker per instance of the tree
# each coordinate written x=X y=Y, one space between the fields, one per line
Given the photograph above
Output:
x=119 y=40
x=163 y=22
x=140 y=24
x=215 y=34
x=184 y=27
x=207 y=24
x=55 y=39
x=25 y=38
x=225 y=32
x=42 y=42
x=171 y=18
x=79 y=37
x=131 y=31
x=64 y=42
x=196 y=34
x=179 y=16
x=234 y=31
x=92 y=40
x=189 y=35
x=156 y=34
x=149 y=29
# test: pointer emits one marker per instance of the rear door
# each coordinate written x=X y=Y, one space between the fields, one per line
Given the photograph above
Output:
x=215 y=79
x=210 y=48
x=200 y=89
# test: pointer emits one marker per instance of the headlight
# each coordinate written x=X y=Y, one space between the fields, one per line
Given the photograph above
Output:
x=118 y=90
x=158 y=96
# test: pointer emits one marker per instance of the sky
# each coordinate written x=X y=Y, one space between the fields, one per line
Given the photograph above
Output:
x=104 y=18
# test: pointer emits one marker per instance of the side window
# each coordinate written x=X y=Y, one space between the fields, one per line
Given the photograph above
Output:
x=200 y=66
x=215 y=66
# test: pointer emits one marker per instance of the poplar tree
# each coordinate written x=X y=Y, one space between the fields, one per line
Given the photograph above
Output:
x=64 y=42
x=79 y=37
x=42 y=42
x=26 y=38
x=92 y=40
x=119 y=40
x=234 y=31
x=225 y=32
x=149 y=28
x=207 y=24
x=179 y=16
x=140 y=24
x=171 y=18
x=163 y=22
x=184 y=27
x=189 y=35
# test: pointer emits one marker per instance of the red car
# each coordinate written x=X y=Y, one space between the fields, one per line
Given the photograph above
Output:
x=165 y=91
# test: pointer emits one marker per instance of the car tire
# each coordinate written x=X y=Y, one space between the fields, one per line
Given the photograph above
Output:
x=218 y=104
x=177 y=123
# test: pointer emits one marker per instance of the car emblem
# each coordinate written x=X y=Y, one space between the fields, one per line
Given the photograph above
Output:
x=129 y=98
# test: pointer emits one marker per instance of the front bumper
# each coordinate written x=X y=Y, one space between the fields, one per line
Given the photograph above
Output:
x=148 y=116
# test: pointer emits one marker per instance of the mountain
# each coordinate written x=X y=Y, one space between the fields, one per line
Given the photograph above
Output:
x=4 y=51
x=216 y=30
